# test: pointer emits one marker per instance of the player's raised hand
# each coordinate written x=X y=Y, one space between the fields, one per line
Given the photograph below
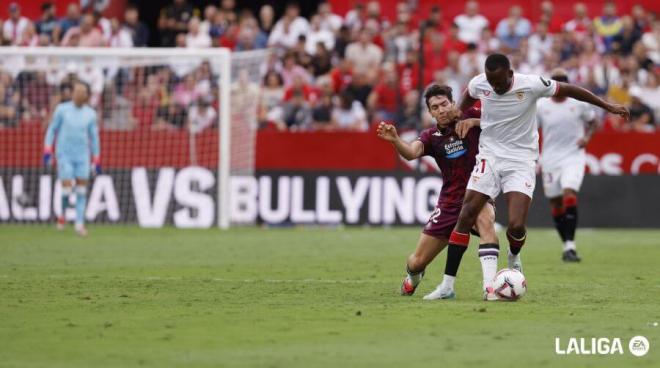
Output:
x=387 y=132
x=620 y=110
x=464 y=126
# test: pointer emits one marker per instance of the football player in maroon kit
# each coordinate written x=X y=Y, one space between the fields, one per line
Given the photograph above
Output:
x=456 y=158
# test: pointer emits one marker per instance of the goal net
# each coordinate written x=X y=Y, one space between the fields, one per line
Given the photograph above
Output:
x=175 y=125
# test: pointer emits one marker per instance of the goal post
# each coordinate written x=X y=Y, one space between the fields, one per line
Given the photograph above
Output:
x=169 y=119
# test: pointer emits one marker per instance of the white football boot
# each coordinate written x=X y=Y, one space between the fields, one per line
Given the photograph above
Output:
x=441 y=292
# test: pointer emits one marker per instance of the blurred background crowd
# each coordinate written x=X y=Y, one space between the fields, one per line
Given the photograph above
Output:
x=329 y=71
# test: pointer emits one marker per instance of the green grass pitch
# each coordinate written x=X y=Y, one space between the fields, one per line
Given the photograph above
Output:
x=128 y=297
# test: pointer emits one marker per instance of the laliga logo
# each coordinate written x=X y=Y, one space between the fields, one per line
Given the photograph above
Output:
x=638 y=346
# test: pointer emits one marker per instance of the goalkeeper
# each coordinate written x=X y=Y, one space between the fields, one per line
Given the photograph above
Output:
x=74 y=125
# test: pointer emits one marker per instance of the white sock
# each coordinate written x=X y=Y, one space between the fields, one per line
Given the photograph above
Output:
x=488 y=258
x=569 y=245
x=448 y=282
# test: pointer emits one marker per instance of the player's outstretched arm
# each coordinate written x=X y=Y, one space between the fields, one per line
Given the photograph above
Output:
x=409 y=151
x=579 y=93
x=52 y=130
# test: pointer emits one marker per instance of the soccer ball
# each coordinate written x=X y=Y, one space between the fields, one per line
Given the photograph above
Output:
x=510 y=284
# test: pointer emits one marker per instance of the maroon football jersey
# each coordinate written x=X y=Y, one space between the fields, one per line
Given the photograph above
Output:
x=455 y=158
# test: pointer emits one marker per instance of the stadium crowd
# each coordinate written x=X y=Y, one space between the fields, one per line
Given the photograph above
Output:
x=332 y=72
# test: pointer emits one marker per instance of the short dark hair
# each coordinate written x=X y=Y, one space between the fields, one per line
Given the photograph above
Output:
x=437 y=90
x=497 y=61
x=46 y=6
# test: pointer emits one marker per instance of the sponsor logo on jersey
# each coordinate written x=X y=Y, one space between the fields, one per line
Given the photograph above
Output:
x=520 y=95
x=454 y=148
x=486 y=93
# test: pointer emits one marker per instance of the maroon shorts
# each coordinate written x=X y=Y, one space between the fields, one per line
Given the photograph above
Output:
x=442 y=221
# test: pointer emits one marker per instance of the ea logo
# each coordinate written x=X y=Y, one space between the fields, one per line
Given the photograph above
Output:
x=638 y=346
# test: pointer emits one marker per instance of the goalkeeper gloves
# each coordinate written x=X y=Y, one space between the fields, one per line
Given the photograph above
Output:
x=96 y=165
x=48 y=156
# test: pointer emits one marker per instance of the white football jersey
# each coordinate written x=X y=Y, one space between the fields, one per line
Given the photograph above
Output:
x=563 y=125
x=508 y=121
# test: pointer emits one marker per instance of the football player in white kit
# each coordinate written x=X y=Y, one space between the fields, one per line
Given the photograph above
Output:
x=563 y=121
x=508 y=152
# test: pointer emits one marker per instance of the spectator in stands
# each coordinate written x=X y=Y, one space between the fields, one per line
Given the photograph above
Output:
x=201 y=115
x=300 y=85
x=512 y=29
x=453 y=41
x=539 y=44
x=287 y=30
x=360 y=88
x=641 y=116
x=290 y=70
x=642 y=55
x=138 y=30
x=548 y=17
x=436 y=20
x=48 y=24
x=72 y=18
x=321 y=61
x=471 y=23
x=209 y=14
x=120 y=36
x=488 y=44
x=650 y=93
x=608 y=25
x=297 y=112
x=250 y=36
x=29 y=37
x=472 y=61
x=271 y=99
x=322 y=111
x=266 y=19
x=117 y=110
x=581 y=23
x=35 y=95
x=409 y=119
x=318 y=34
x=354 y=17
x=641 y=18
x=329 y=20
x=365 y=55
x=195 y=38
x=383 y=102
x=104 y=25
x=173 y=21
x=9 y=102
x=14 y=27
x=185 y=92
x=651 y=41
x=453 y=75
x=624 y=41
x=86 y=35
x=349 y=114
x=342 y=41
